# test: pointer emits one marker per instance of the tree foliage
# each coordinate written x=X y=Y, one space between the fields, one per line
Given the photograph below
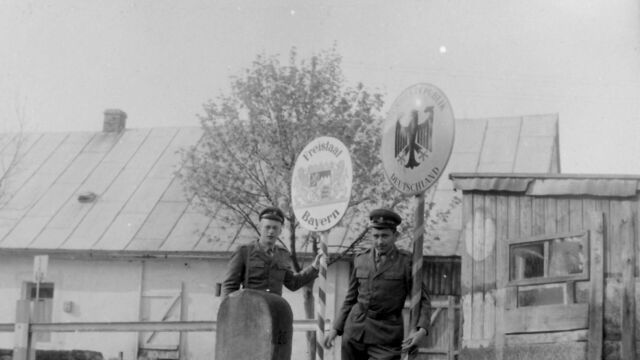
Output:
x=253 y=135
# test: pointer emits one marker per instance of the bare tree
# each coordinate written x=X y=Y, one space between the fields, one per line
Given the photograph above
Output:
x=11 y=152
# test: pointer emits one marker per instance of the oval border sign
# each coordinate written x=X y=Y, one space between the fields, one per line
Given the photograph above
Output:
x=417 y=138
x=321 y=183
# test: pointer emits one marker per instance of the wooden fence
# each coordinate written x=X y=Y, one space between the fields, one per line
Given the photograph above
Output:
x=443 y=342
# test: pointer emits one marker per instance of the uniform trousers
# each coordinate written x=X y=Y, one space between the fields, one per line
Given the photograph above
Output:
x=354 y=350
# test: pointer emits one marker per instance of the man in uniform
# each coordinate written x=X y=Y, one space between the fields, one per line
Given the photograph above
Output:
x=370 y=321
x=263 y=264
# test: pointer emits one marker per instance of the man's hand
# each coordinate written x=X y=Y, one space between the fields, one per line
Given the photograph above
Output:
x=320 y=259
x=328 y=339
x=413 y=339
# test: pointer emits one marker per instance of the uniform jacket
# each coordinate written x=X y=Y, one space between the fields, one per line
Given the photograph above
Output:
x=265 y=272
x=372 y=309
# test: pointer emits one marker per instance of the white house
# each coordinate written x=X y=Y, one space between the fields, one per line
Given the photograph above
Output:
x=126 y=244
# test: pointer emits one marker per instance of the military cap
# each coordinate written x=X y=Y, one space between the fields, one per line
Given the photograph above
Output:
x=272 y=213
x=384 y=219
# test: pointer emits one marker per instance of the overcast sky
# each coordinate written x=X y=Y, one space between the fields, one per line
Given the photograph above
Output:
x=64 y=62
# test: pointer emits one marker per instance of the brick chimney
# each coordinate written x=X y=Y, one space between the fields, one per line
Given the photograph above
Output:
x=115 y=120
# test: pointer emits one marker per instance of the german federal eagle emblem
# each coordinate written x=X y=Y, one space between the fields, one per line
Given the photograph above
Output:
x=413 y=137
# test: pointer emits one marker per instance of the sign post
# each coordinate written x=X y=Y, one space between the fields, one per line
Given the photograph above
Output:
x=320 y=194
x=417 y=139
x=40 y=264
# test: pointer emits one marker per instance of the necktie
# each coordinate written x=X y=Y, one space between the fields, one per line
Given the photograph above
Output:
x=270 y=252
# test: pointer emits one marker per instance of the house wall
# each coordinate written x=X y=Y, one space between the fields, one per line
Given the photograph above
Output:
x=110 y=290
x=492 y=220
x=99 y=291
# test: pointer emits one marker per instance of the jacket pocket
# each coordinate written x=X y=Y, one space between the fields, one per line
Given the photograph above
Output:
x=256 y=263
x=393 y=276
x=362 y=273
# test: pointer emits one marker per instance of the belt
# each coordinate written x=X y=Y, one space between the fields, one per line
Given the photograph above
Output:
x=377 y=315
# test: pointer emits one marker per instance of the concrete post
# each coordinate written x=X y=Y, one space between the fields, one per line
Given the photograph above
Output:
x=21 y=330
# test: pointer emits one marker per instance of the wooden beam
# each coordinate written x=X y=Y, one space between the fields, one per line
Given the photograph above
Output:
x=575 y=214
x=550 y=235
x=478 y=319
x=434 y=315
x=537 y=216
x=570 y=292
x=136 y=326
x=167 y=313
x=547 y=338
x=451 y=327
x=489 y=261
x=549 y=280
x=513 y=232
x=628 y=239
x=466 y=278
x=502 y=270
x=182 y=346
x=596 y=309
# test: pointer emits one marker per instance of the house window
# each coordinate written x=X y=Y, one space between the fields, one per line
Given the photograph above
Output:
x=44 y=291
x=41 y=300
x=541 y=267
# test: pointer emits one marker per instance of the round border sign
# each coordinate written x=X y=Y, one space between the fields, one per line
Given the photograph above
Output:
x=321 y=183
x=417 y=138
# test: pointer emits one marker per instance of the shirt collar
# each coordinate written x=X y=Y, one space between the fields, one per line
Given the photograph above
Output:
x=388 y=254
x=265 y=248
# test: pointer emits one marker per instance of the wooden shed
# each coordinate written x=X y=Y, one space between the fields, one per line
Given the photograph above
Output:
x=549 y=267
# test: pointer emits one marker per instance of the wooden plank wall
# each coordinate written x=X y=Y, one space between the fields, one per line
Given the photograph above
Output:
x=492 y=220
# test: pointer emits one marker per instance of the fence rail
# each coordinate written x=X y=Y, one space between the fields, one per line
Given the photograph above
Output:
x=137 y=326
x=24 y=327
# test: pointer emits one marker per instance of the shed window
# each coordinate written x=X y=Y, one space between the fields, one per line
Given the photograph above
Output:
x=545 y=294
x=541 y=268
x=551 y=259
x=567 y=256
x=527 y=261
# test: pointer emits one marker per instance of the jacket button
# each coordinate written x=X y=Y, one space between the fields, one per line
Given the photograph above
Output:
x=268 y=290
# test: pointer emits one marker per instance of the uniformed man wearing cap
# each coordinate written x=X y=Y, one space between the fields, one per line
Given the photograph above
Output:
x=370 y=321
x=264 y=264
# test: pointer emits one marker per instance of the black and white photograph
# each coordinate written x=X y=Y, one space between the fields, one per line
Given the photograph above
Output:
x=474 y=191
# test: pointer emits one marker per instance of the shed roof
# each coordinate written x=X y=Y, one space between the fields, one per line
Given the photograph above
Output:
x=550 y=184
x=140 y=208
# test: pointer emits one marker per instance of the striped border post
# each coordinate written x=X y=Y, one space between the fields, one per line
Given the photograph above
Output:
x=322 y=296
x=416 y=271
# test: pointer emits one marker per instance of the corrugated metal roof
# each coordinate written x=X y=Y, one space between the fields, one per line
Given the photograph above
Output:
x=550 y=184
x=140 y=206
